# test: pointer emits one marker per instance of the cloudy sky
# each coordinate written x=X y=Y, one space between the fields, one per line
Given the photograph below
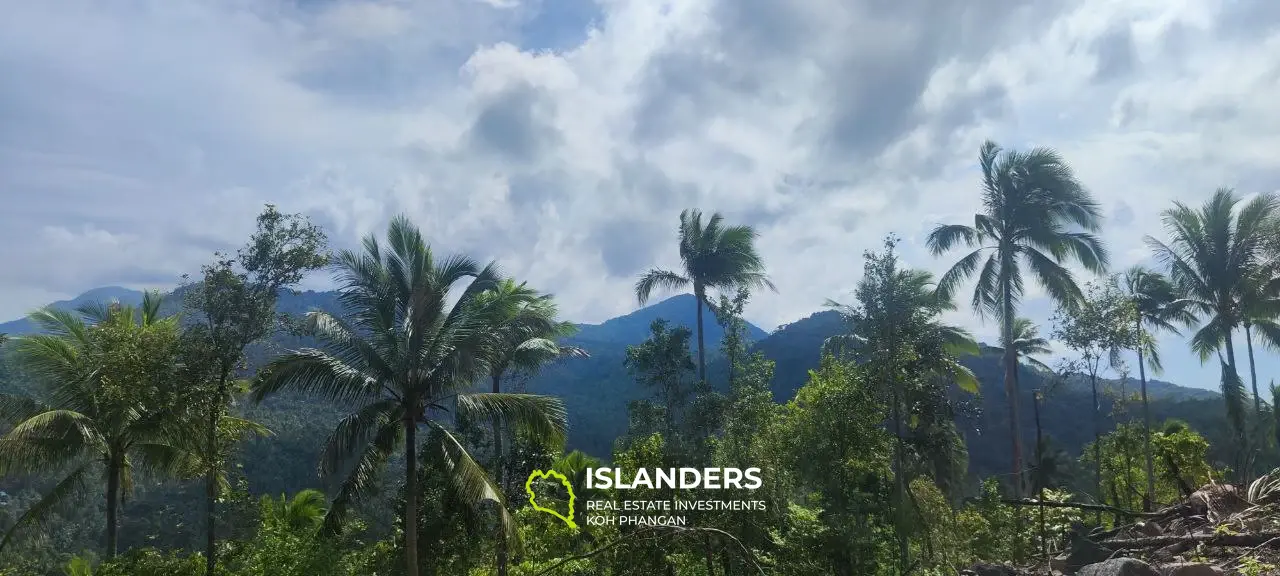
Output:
x=563 y=137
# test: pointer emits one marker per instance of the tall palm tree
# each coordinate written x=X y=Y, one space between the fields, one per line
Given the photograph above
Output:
x=1156 y=308
x=1035 y=216
x=407 y=350
x=1213 y=256
x=528 y=339
x=105 y=370
x=714 y=256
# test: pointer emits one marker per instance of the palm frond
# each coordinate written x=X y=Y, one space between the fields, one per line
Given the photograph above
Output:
x=541 y=417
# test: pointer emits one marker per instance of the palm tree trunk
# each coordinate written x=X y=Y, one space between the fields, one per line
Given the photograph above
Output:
x=1040 y=480
x=899 y=475
x=699 y=294
x=113 y=503
x=1149 y=500
x=1242 y=437
x=500 y=469
x=1097 y=443
x=411 y=489
x=1253 y=371
x=211 y=483
x=1011 y=389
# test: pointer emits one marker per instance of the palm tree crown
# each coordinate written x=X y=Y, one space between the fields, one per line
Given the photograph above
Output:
x=714 y=256
x=1027 y=343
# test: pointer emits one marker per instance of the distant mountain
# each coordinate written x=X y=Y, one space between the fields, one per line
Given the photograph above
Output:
x=104 y=294
x=679 y=310
x=596 y=390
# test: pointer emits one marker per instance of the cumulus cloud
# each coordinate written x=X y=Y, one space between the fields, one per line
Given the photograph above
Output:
x=563 y=138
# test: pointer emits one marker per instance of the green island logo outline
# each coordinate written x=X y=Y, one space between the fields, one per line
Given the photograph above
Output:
x=528 y=488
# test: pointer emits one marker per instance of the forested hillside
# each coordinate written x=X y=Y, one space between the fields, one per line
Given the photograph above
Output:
x=435 y=416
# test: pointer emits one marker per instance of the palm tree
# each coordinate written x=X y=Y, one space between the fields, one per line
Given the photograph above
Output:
x=107 y=371
x=1156 y=308
x=407 y=350
x=1035 y=216
x=1027 y=343
x=304 y=512
x=1213 y=257
x=714 y=256
x=528 y=339
x=1260 y=309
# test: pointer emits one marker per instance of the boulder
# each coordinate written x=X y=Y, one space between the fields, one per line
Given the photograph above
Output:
x=1082 y=552
x=1190 y=569
x=1119 y=567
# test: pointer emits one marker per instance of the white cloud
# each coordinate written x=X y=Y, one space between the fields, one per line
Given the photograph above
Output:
x=136 y=138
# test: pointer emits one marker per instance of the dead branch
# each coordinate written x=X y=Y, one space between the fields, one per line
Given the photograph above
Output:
x=1083 y=506
x=1238 y=540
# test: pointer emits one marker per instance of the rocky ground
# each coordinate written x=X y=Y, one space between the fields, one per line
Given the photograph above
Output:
x=1220 y=530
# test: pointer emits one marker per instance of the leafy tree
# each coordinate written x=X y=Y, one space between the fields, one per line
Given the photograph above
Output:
x=895 y=334
x=714 y=256
x=662 y=363
x=233 y=305
x=1212 y=257
x=107 y=374
x=406 y=349
x=1035 y=216
x=1156 y=308
x=1097 y=329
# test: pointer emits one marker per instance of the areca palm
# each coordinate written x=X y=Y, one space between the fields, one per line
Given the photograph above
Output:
x=410 y=347
x=107 y=374
x=1156 y=308
x=714 y=256
x=1213 y=257
x=1036 y=216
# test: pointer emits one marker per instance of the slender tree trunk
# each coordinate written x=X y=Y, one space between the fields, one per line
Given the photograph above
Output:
x=1097 y=443
x=1040 y=479
x=699 y=294
x=500 y=470
x=1011 y=390
x=1253 y=371
x=899 y=475
x=1149 y=501
x=113 y=503
x=1242 y=436
x=411 y=488
x=211 y=476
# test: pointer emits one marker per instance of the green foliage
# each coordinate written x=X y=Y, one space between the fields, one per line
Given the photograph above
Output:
x=1179 y=464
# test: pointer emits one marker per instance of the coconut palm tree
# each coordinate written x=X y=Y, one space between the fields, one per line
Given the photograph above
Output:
x=409 y=348
x=528 y=339
x=1036 y=216
x=1213 y=255
x=714 y=256
x=304 y=512
x=1259 y=315
x=1156 y=308
x=107 y=373
x=1027 y=343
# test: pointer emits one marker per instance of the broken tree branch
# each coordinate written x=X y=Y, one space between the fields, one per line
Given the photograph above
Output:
x=1082 y=506
x=1238 y=540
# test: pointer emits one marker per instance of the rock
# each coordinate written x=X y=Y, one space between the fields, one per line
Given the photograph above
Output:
x=1151 y=528
x=989 y=570
x=1118 y=567
x=1217 y=501
x=1082 y=552
x=1190 y=569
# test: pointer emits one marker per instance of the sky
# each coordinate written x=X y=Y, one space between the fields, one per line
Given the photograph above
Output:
x=563 y=138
